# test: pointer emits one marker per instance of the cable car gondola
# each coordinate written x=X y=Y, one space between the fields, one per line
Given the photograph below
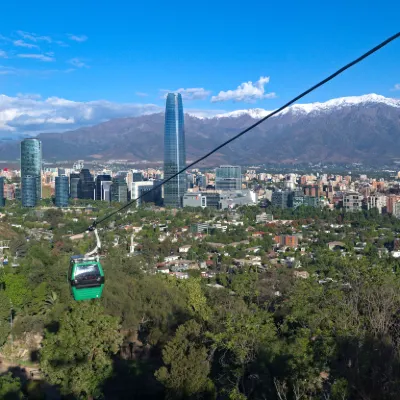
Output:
x=86 y=275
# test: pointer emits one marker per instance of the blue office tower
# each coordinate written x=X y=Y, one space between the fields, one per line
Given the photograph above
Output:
x=174 y=151
x=62 y=191
x=29 y=191
x=2 y=199
x=31 y=166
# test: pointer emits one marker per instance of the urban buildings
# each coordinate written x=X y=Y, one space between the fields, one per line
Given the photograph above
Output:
x=31 y=168
x=86 y=185
x=62 y=191
x=174 y=151
x=219 y=200
x=282 y=198
x=2 y=198
x=228 y=177
x=376 y=201
x=352 y=201
x=101 y=188
x=141 y=188
x=119 y=190
x=73 y=185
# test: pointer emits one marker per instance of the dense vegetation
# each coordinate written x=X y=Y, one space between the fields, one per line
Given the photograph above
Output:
x=263 y=335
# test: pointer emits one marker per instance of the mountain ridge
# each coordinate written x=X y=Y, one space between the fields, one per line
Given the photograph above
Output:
x=351 y=129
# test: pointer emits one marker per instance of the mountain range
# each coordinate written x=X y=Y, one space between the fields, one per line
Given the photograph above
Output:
x=349 y=129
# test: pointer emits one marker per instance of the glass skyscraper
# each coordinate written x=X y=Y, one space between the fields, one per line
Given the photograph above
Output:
x=29 y=191
x=31 y=165
x=2 y=199
x=62 y=191
x=228 y=177
x=86 y=185
x=73 y=185
x=99 y=186
x=174 y=151
x=119 y=190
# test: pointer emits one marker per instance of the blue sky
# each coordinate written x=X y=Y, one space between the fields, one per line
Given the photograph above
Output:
x=119 y=56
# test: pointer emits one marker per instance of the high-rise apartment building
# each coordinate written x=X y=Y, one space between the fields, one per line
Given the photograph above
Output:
x=174 y=151
x=86 y=185
x=62 y=191
x=228 y=177
x=31 y=166
x=377 y=201
x=352 y=202
x=2 y=198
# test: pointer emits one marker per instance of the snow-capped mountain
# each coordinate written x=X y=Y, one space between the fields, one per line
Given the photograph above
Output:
x=330 y=105
x=349 y=129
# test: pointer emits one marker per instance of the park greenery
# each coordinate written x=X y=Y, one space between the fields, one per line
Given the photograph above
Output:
x=245 y=333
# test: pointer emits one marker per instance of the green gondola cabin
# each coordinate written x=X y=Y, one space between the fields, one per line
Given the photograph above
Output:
x=86 y=277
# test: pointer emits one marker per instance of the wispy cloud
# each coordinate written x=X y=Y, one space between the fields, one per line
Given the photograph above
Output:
x=247 y=92
x=189 y=93
x=34 y=37
x=78 y=63
x=41 y=57
x=396 y=87
x=6 y=71
x=21 y=43
x=141 y=94
x=3 y=54
x=78 y=38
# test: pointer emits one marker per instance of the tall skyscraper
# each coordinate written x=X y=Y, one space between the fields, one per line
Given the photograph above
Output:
x=62 y=191
x=73 y=185
x=228 y=177
x=86 y=185
x=31 y=165
x=29 y=191
x=174 y=150
x=99 y=186
x=2 y=199
x=119 y=190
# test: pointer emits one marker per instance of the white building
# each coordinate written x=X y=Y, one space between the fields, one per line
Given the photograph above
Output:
x=376 y=201
x=137 y=189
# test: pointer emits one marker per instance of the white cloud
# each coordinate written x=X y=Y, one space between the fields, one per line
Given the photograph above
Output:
x=27 y=113
x=78 y=38
x=3 y=54
x=76 y=62
x=40 y=57
x=141 y=94
x=21 y=43
x=189 y=93
x=247 y=92
x=34 y=37
x=396 y=87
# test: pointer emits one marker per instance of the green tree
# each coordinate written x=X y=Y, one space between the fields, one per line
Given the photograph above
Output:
x=78 y=356
x=10 y=387
x=186 y=370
